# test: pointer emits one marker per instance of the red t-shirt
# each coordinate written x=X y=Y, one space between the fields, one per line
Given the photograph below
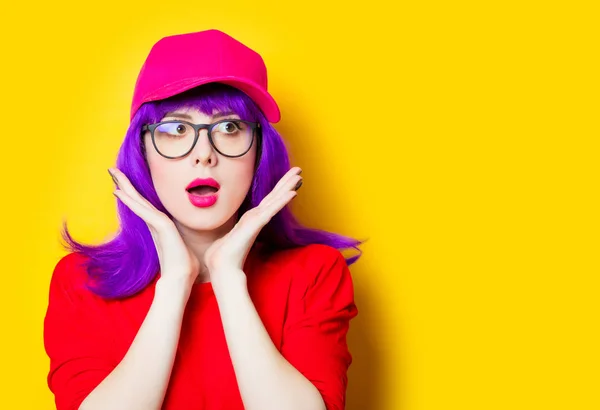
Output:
x=304 y=297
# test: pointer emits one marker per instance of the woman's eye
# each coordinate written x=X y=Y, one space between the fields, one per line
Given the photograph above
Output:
x=173 y=128
x=179 y=128
x=229 y=127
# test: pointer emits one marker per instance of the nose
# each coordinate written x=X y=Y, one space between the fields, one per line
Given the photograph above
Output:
x=203 y=152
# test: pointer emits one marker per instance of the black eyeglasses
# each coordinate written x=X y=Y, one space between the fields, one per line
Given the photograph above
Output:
x=175 y=139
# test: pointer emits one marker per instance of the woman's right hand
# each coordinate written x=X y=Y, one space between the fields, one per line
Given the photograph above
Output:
x=177 y=261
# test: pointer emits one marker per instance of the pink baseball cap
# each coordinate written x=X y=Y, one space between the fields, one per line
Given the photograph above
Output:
x=180 y=62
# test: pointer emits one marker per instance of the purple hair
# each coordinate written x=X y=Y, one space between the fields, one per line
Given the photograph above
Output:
x=128 y=263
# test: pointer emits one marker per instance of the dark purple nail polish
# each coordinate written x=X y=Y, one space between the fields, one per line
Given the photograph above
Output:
x=113 y=177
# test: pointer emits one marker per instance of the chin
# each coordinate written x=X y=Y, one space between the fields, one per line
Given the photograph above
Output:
x=198 y=227
x=201 y=223
x=203 y=219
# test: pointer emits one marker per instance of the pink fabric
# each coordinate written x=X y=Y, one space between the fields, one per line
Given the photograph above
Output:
x=180 y=62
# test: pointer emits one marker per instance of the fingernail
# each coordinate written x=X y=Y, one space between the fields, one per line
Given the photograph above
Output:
x=113 y=177
x=299 y=172
x=298 y=185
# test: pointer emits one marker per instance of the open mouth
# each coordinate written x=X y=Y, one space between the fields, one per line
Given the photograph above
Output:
x=202 y=190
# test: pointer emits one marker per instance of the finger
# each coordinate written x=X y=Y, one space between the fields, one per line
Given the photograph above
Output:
x=125 y=185
x=250 y=224
x=292 y=173
x=266 y=213
x=285 y=184
x=280 y=203
x=148 y=215
x=292 y=184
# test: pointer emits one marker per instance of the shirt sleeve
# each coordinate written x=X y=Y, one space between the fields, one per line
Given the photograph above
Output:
x=74 y=339
x=321 y=305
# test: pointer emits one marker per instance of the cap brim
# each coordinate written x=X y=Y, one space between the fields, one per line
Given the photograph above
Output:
x=262 y=98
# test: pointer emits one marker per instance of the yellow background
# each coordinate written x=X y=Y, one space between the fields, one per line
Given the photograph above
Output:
x=460 y=137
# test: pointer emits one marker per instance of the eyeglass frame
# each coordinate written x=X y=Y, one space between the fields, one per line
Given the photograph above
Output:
x=197 y=128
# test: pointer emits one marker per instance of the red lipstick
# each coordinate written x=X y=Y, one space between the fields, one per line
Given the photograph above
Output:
x=203 y=193
x=200 y=182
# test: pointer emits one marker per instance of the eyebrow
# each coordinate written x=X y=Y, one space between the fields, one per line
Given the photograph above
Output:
x=188 y=117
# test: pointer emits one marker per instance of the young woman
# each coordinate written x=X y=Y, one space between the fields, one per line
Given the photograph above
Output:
x=211 y=295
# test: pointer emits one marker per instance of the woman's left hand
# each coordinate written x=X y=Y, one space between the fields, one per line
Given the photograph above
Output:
x=230 y=251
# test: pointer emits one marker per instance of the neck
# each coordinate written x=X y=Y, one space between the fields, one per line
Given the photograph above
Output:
x=198 y=241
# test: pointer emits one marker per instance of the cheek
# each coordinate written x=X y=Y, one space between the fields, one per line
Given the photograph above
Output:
x=236 y=174
x=241 y=174
x=248 y=166
x=158 y=167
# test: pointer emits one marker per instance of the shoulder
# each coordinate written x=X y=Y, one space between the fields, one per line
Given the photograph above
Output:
x=320 y=285
x=69 y=276
x=310 y=264
x=313 y=256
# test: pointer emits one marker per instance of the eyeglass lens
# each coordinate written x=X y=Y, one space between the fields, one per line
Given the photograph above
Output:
x=230 y=137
